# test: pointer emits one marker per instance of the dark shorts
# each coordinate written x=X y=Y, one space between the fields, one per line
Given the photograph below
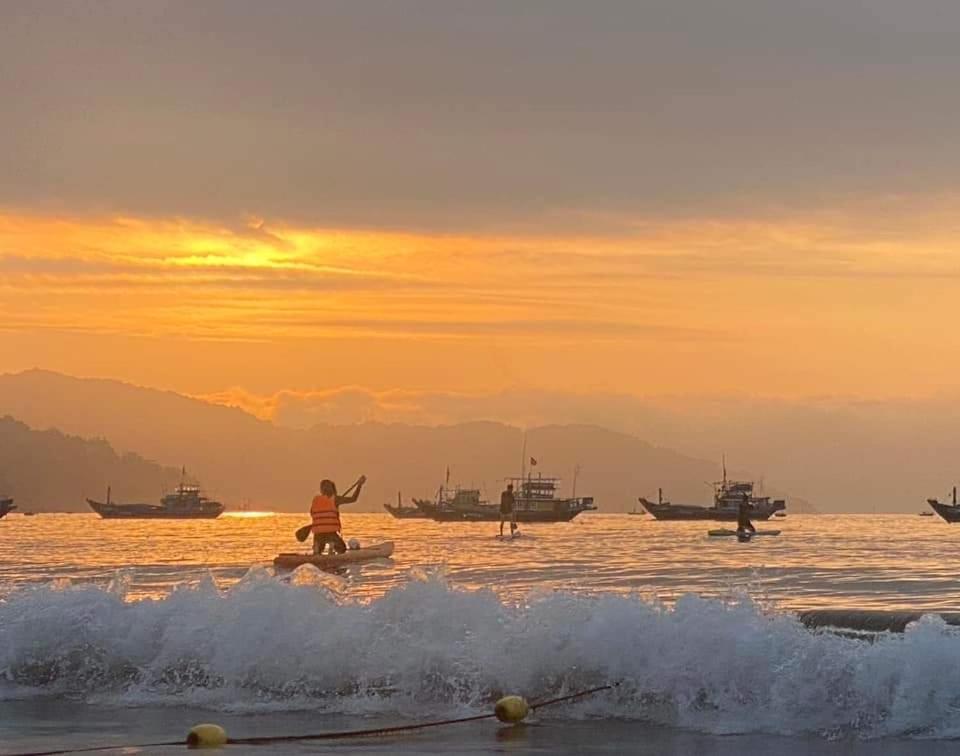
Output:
x=506 y=511
x=320 y=540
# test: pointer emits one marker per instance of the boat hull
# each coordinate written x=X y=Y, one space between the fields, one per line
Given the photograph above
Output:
x=561 y=511
x=667 y=511
x=949 y=512
x=6 y=507
x=323 y=561
x=528 y=517
x=152 y=512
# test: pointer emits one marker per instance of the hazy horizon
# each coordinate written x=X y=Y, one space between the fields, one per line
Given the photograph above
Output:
x=838 y=456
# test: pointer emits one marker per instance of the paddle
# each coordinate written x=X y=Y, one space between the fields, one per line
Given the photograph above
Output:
x=304 y=532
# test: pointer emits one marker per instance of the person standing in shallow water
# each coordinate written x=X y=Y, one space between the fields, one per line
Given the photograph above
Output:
x=508 y=509
x=325 y=516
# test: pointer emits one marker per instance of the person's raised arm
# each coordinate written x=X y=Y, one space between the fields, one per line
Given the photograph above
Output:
x=355 y=495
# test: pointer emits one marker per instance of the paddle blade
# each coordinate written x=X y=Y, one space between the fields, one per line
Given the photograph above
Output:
x=304 y=533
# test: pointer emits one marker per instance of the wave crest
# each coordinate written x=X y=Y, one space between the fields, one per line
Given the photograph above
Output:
x=714 y=666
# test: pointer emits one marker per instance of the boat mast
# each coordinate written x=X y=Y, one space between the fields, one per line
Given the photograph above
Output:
x=576 y=471
x=523 y=459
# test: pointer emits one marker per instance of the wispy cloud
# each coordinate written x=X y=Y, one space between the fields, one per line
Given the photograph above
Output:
x=787 y=301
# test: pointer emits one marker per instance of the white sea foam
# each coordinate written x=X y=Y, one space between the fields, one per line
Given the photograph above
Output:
x=428 y=648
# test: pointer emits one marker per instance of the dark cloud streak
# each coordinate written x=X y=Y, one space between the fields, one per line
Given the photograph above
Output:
x=453 y=114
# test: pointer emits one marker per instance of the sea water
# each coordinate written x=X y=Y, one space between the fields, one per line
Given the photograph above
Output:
x=123 y=632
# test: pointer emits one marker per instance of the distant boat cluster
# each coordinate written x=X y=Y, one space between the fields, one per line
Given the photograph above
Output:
x=536 y=500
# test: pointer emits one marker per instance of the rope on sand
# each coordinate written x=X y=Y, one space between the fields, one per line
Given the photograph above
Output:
x=509 y=709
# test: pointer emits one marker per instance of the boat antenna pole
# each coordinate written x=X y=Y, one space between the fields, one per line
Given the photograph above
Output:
x=523 y=458
x=576 y=470
x=724 y=458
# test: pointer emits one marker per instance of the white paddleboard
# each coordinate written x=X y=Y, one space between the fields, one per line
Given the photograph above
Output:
x=729 y=533
x=292 y=561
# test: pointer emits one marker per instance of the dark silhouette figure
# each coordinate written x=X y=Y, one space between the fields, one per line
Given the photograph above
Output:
x=744 y=526
x=508 y=509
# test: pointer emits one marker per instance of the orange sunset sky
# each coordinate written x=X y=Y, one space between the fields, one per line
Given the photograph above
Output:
x=232 y=200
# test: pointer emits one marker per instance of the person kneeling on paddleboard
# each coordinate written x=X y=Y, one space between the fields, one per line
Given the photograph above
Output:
x=508 y=509
x=744 y=526
x=325 y=515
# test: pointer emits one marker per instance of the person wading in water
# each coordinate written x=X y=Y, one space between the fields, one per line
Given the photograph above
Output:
x=325 y=515
x=508 y=509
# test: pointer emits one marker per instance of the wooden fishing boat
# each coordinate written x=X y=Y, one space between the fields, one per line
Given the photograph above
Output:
x=6 y=507
x=949 y=512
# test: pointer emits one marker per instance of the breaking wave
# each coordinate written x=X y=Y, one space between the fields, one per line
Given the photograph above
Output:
x=428 y=648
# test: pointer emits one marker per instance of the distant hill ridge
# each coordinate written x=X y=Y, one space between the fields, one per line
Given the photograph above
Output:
x=51 y=471
x=240 y=458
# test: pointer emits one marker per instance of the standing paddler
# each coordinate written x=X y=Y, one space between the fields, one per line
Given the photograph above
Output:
x=508 y=509
x=325 y=514
x=745 y=528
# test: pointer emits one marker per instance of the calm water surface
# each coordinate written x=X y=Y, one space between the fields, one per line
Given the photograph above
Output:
x=862 y=561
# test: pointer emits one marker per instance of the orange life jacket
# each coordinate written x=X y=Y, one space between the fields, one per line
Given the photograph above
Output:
x=326 y=516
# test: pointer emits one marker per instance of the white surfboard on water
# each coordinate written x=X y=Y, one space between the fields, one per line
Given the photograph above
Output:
x=727 y=533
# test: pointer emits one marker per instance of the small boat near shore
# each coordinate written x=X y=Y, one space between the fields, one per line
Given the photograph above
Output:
x=536 y=500
x=185 y=503
x=949 y=512
x=6 y=506
x=289 y=561
x=406 y=513
x=727 y=497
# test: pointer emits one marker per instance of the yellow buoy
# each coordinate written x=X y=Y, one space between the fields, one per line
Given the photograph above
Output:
x=512 y=709
x=206 y=736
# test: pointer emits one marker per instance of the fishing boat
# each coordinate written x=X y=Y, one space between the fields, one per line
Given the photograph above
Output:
x=727 y=497
x=185 y=503
x=291 y=561
x=949 y=512
x=6 y=507
x=406 y=513
x=536 y=500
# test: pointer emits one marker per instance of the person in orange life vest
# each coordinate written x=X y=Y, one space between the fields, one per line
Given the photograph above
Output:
x=325 y=514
